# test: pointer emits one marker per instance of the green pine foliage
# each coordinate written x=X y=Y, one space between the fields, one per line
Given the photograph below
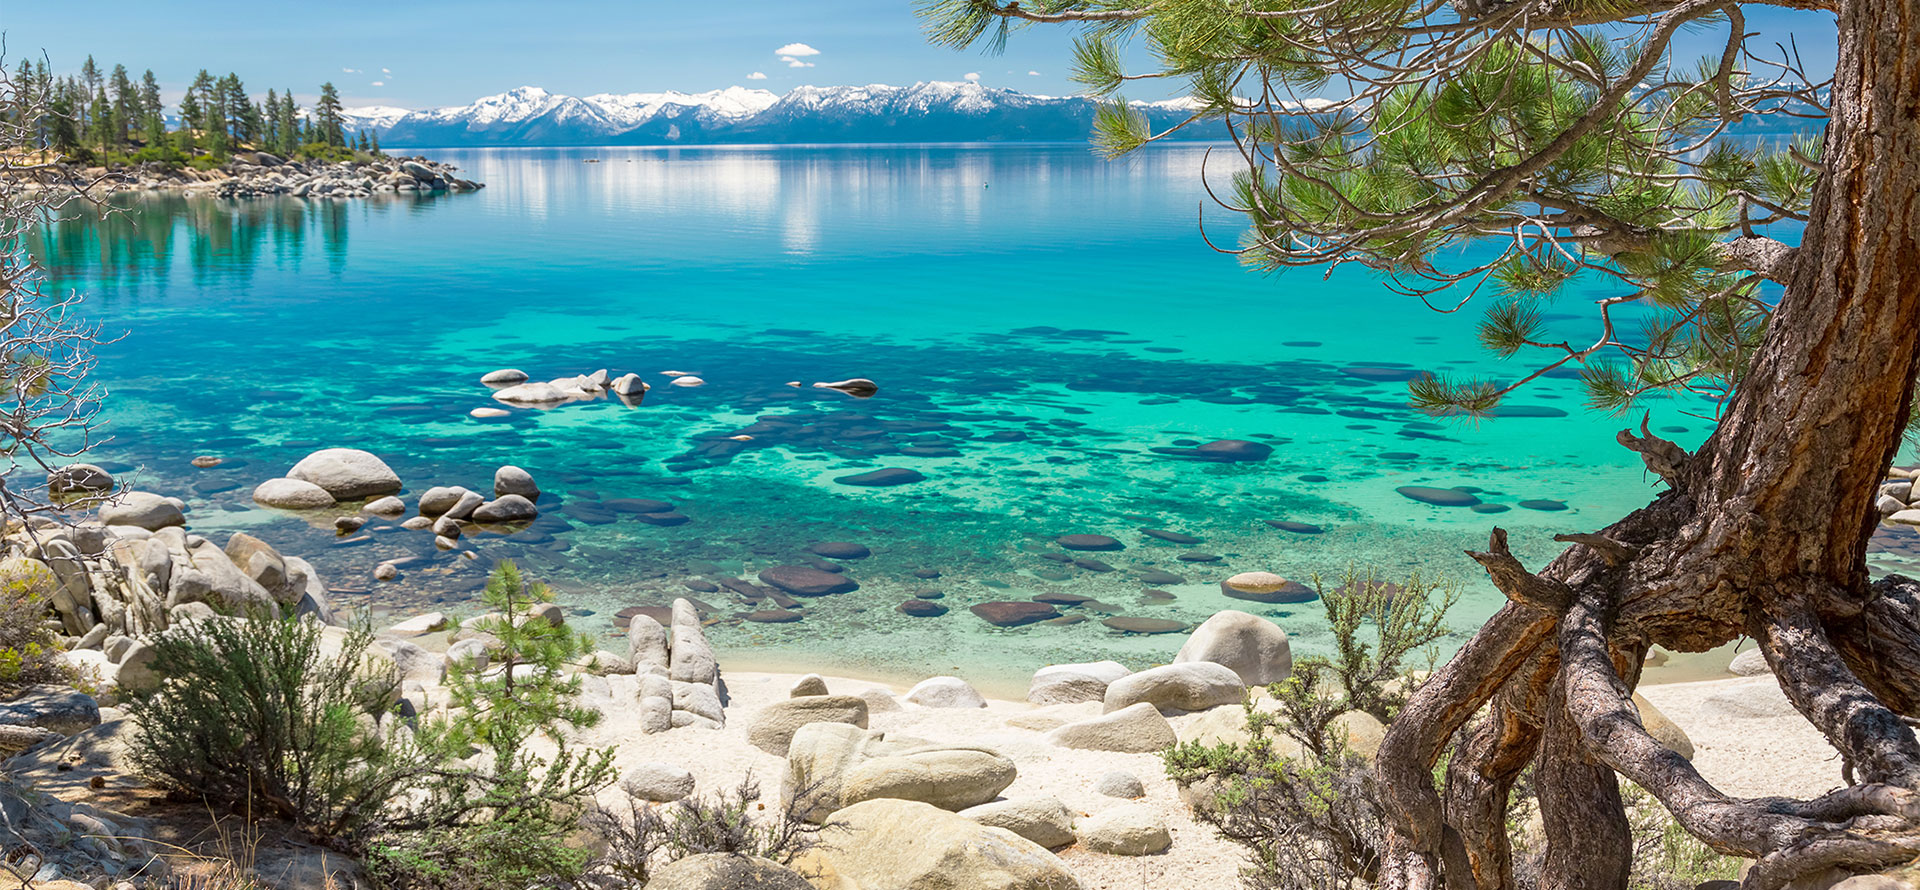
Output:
x=505 y=822
x=1477 y=154
x=268 y=717
x=111 y=120
x=283 y=718
x=1295 y=794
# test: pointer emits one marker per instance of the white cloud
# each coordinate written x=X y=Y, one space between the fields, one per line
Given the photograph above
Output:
x=1033 y=74
x=796 y=49
x=757 y=75
x=795 y=63
x=349 y=71
x=386 y=71
x=973 y=76
x=379 y=83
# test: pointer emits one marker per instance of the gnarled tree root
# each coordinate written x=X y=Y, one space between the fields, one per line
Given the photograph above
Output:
x=1549 y=679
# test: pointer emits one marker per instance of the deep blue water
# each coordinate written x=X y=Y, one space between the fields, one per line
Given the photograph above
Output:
x=1038 y=320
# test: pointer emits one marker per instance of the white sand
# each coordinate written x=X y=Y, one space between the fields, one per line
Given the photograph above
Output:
x=718 y=758
x=1747 y=737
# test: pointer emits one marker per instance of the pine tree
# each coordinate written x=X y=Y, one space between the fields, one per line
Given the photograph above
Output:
x=1532 y=152
x=101 y=127
x=328 y=110
x=373 y=142
x=190 y=110
x=153 y=118
x=270 y=121
x=289 y=124
x=126 y=104
x=63 y=131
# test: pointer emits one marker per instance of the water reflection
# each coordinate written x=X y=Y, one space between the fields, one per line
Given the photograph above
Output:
x=135 y=245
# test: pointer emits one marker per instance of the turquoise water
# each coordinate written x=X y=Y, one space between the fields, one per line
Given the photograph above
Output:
x=1037 y=319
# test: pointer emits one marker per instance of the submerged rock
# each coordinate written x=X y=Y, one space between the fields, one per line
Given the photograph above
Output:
x=1089 y=542
x=883 y=477
x=839 y=550
x=1439 y=497
x=806 y=581
x=1013 y=614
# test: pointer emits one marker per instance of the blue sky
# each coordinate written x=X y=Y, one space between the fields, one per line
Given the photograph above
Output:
x=426 y=54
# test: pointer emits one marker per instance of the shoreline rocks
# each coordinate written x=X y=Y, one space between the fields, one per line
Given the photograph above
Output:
x=261 y=174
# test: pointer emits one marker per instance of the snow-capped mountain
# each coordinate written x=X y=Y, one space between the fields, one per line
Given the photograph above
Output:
x=923 y=112
x=374 y=118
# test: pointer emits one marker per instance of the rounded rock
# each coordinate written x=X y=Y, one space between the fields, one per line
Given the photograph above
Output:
x=657 y=782
x=945 y=692
x=1252 y=647
x=513 y=480
x=1120 y=784
x=347 y=473
x=142 y=509
x=292 y=494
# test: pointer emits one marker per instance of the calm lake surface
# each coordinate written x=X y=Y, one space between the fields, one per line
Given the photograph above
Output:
x=1038 y=320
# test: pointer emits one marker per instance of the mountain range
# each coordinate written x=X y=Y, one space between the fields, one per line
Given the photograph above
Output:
x=923 y=112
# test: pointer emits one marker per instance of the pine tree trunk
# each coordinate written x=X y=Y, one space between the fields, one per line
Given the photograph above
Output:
x=1762 y=532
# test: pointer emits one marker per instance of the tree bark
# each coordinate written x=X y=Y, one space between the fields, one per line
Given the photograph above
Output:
x=1762 y=532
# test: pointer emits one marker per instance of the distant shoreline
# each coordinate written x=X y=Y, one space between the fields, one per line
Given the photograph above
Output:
x=259 y=174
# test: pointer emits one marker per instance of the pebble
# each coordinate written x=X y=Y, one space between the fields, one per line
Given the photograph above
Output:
x=921 y=609
x=1089 y=542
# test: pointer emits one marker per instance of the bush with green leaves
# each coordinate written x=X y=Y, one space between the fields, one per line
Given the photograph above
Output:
x=272 y=717
x=1308 y=807
x=288 y=719
x=502 y=819
x=29 y=648
x=1295 y=794
x=642 y=837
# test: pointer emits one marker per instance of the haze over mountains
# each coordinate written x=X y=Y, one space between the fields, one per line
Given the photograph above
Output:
x=923 y=112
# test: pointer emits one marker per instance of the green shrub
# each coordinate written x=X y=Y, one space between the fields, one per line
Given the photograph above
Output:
x=1304 y=804
x=505 y=824
x=262 y=717
x=277 y=717
x=29 y=648
x=645 y=837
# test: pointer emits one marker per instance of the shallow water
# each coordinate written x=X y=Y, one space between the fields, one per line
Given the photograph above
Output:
x=1037 y=320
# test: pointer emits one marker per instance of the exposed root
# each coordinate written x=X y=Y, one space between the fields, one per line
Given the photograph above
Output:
x=1878 y=745
x=1419 y=838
